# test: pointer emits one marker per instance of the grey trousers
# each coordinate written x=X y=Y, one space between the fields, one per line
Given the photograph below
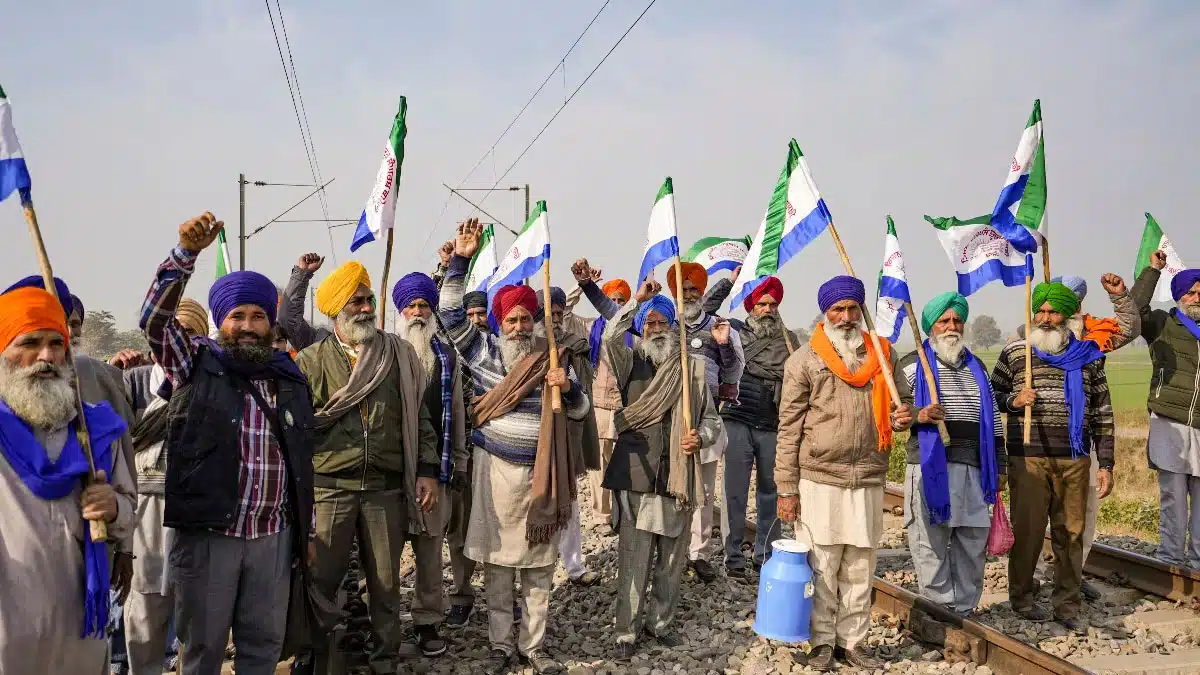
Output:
x=379 y=519
x=748 y=446
x=949 y=563
x=647 y=557
x=499 y=583
x=224 y=583
x=462 y=593
x=1177 y=519
x=147 y=625
x=429 y=602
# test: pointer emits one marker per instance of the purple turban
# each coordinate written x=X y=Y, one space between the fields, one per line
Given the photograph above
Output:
x=242 y=288
x=415 y=286
x=60 y=287
x=1183 y=282
x=557 y=297
x=840 y=288
x=77 y=304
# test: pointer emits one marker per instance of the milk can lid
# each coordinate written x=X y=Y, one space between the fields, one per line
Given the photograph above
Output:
x=790 y=545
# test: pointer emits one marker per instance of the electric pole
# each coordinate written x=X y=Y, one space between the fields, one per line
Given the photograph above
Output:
x=242 y=220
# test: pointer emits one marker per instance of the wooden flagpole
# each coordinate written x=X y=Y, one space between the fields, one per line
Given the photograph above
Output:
x=98 y=528
x=1028 y=353
x=556 y=393
x=683 y=353
x=787 y=337
x=383 y=285
x=927 y=368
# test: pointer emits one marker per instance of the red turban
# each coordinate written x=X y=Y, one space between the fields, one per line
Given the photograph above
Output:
x=693 y=272
x=617 y=285
x=26 y=310
x=769 y=286
x=517 y=295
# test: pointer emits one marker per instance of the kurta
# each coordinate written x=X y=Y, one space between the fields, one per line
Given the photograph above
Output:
x=42 y=573
x=500 y=502
x=837 y=515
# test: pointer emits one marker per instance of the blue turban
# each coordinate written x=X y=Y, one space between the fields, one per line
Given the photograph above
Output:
x=1078 y=285
x=557 y=297
x=60 y=287
x=1183 y=282
x=415 y=286
x=78 y=306
x=840 y=288
x=659 y=303
x=242 y=288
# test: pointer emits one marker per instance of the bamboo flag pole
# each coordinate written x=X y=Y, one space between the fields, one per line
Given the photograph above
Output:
x=683 y=353
x=787 y=337
x=383 y=285
x=883 y=363
x=1046 y=259
x=556 y=393
x=99 y=529
x=927 y=368
x=1028 y=353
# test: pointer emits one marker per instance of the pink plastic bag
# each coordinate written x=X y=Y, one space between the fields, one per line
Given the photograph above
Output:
x=1000 y=537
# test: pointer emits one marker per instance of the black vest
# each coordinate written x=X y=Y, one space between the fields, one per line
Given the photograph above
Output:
x=641 y=459
x=204 y=454
x=756 y=403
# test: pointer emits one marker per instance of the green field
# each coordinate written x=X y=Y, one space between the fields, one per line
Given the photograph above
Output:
x=1128 y=373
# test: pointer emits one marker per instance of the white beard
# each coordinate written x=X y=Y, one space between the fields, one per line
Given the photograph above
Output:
x=1075 y=325
x=1049 y=340
x=514 y=347
x=658 y=348
x=692 y=310
x=948 y=346
x=1190 y=311
x=846 y=341
x=44 y=403
x=356 y=330
x=420 y=333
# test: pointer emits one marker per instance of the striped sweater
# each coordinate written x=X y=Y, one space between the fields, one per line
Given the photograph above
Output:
x=959 y=395
x=1050 y=435
x=513 y=436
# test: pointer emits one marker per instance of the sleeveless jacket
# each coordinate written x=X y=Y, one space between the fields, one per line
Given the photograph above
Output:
x=640 y=461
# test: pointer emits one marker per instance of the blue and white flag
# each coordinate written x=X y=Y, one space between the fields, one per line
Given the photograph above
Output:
x=1020 y=211
x=718 y=253
x=379 y=216
x=528 y=253
x=483 y=263
x=14 y=175
x=893 y=288
x=980 y=254
x=662 y=239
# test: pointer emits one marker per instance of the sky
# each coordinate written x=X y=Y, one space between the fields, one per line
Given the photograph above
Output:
x=136 y=116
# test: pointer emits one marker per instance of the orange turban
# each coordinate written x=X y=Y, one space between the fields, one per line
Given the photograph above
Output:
x=617 y=285
x=693 y=272
x=26 y=310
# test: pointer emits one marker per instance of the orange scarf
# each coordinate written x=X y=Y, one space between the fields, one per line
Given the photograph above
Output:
x=1101 y=331
x=870 y=372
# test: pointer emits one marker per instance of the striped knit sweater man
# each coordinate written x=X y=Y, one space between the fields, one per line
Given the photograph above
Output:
x=1049 y=475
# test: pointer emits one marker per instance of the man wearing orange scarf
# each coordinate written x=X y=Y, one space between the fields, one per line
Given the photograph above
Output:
x=835 y=426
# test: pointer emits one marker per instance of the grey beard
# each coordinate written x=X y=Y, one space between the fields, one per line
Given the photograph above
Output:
x=1050 y=340
x=846 y=340
x=948 y=346
x=356 y=329
x=42 y=403
x=514 y=347
x=658 y=348
x=692 y=311
x=259 y=352
x=766 y=324
x=1075 y=325
x=420 y=333
x=1190 y=311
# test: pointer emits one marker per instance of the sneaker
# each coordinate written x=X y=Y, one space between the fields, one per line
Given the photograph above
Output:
x=1090 y=593
x=586 y=579
x=1076 y=624
x=1033 y=613
x=704 y=571
x=820 y=658
x=429 y=641
x=459 y=615
x=859 y=657
x=541 y=663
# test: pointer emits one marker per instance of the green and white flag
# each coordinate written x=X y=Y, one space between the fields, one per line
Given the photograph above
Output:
x=483 y=263
x=1153 y=240
x=718 y=253
x=1020 y=211
x=223 y=266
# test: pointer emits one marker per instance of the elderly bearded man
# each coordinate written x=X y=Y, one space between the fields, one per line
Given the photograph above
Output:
x=835 y=433
x=709 y=337
x=948 y=487
x=1049 y=477
x=54 y=608
x=239 y=463
x=415 y=296
x=655 y=470
x=375 y=463
x=523 y=483
x=1174 y=443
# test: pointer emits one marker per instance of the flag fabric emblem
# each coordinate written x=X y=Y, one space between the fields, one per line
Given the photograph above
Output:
x=795 y=216
x=379 y=216
x=14 y=174
x=483 y=263
x=662 y=239
x=890 y=309
x=526 y=255
x=718 y=253
x=1153 y=240
x=1020 y=211
x=980 y=254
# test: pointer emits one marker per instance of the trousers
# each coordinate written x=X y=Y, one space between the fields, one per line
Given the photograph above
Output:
x=1050 y=489
x=702 y=517
x=429 y=600
x=1093 y=508
x=148 y=631
x=647 y=557
x=842 y=594
x=601 y=498
x=570 y=545
x=462 y=568
x=1177 y=519
x=748 y=447
x=499 y=583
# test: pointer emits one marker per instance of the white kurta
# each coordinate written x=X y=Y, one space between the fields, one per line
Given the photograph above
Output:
x=1173 y=446
x=500 y=498
x=835 y=515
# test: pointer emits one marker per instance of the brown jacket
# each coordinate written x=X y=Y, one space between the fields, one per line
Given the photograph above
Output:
x=826 y=429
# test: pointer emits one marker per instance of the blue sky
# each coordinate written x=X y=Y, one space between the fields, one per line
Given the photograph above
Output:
x=135 y=116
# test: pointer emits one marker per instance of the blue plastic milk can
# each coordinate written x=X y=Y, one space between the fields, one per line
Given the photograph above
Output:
x=785 y=591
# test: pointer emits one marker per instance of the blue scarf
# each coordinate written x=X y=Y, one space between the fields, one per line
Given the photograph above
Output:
x=1187 y=322
x=935 y=478
x=1071 y=361
x=446 y=469
x=596 y=339
x=55 y=480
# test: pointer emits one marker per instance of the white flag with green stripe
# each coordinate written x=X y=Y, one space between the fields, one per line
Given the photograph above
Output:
x=483 y=263
x=1153 y=240
x=718 y=253
x=223 y=266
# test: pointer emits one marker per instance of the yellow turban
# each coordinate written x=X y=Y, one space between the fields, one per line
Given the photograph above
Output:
x=192 y=316
x=340 y=286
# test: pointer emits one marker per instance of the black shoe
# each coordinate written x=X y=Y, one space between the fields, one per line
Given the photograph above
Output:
x=1089 y=592
x=429 y=641
x=738 y=573
x=542 y=664
x=704 y=571
x=497 y=662
x=586 y=579
x=860 y=658
x=625 y=651
x=459 y=615
x=669 y=640
x=820 y=658
x=1034 y=613
x=1076 y=624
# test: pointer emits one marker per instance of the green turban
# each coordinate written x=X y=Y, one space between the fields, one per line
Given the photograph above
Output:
x=1061 y=298
x=936 y=307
